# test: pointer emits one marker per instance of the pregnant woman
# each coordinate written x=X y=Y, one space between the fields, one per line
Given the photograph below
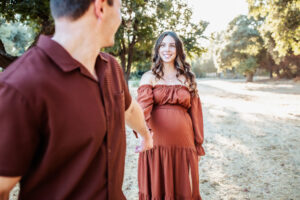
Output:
x=172 y=108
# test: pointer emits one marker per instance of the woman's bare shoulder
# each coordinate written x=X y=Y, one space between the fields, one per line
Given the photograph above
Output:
x=147 y=78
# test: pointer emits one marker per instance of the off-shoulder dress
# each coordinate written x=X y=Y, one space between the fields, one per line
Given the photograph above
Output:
x=169 y=171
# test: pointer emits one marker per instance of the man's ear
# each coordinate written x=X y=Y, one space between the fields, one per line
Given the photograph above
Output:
x=99 y=4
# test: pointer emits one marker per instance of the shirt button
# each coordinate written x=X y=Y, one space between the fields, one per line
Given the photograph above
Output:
x=109 y=150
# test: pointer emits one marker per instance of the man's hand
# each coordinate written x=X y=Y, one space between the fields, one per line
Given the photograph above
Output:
x=6 y=184
x=134 y=118
x=146 y=143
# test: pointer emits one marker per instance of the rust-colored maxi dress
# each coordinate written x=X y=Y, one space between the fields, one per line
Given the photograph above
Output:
x=175 y=118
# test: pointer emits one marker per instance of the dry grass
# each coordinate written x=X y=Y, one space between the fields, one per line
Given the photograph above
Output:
x=251 y=139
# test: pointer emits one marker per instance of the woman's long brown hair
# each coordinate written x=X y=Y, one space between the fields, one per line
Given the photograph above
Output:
x=182 y=67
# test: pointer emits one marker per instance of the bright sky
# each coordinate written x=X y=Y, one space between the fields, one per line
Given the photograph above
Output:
x=217 y=12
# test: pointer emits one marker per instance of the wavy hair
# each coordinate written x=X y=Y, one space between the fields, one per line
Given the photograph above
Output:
x=182 y=67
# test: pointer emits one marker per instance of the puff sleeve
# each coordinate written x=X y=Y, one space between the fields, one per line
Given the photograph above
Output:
x=195 y=112
x=145 y=100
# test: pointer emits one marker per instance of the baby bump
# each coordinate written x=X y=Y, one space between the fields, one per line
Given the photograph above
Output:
x=172 y=125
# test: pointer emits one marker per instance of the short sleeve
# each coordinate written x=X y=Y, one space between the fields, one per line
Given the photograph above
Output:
x=195 y=112
x=126 y=95
x=18 y=135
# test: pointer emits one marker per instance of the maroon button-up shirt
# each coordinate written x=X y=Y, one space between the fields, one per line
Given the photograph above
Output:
x=60 y=129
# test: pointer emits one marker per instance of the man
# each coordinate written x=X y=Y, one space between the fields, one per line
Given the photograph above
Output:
x=63 y=107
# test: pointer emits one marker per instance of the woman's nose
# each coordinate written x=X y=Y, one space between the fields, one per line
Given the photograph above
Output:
x=168 y=48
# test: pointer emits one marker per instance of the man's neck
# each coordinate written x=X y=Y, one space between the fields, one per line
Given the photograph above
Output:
x=78 y=42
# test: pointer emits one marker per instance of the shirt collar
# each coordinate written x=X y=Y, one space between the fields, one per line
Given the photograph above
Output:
x=59 y=55
x=101 y=56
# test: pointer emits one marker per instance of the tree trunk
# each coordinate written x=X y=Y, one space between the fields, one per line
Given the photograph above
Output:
x=123 y=62
x=271 y=73
x=5 y=58
x=249 y=77
x=270 y=64
x=129 y=62
x=123 y=57
x=130 y=52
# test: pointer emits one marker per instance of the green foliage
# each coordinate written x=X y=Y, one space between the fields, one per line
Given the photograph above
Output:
x=15 y=31
x=16 y=36
x=281 y=25
x=134 y=38
x=198 y=72
x=280 y=30
x=243 y=45
x=204 y=65
x=175 y=15
x=143 y=21
x=248 y=65
x=35 y=13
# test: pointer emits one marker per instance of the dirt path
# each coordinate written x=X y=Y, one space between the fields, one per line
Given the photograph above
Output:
x=252 y=141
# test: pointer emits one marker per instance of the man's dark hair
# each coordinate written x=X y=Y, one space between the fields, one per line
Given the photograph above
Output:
x=72 y=9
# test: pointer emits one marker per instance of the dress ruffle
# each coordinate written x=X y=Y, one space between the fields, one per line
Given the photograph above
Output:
x=162 y=167
x=165 y=197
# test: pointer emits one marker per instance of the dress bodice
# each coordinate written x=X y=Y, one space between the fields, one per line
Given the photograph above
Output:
x=171 y=94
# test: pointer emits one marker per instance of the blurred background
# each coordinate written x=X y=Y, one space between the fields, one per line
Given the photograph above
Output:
x=246 y=56
x=232 y=38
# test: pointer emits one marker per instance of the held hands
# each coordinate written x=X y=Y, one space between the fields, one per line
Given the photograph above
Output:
x=146 y=143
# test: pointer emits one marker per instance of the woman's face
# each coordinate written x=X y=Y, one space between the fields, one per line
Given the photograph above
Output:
x=167 y=50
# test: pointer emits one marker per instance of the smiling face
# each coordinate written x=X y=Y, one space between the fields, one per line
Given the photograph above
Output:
x=167 y=49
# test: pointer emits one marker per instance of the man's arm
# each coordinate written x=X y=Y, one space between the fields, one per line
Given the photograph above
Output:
x=134 y=118
x=6 y=185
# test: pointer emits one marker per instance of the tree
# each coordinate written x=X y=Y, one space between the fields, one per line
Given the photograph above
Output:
x=206 y=63
x=142 y=22
x=280 y=30
x=16 y=36
x=33 y=13
x=242 y=48
x=282 y=19
x=5 y=59
x=36 y=13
